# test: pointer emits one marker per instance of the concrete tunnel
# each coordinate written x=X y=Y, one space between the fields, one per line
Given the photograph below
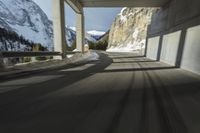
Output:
x=173 y=36
x=119 y=92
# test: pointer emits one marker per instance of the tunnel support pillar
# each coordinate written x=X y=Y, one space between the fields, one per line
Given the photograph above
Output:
x=59 y=28
x=80 y=29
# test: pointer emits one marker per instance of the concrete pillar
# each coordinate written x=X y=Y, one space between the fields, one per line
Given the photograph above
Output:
x=159 y=48
x=181 y=48
x=59 y=28
x=80 y=31
x=146 y=45
x=147 y=38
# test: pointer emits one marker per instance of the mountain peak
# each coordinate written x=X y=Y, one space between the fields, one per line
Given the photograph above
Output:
x=27 y=19
x=96 y=33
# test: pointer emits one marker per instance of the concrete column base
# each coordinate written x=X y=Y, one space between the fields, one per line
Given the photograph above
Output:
x=2 y=65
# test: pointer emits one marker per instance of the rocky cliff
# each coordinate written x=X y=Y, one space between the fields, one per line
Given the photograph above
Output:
x=128 y=31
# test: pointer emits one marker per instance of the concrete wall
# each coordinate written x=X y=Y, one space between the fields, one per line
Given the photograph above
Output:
x=177 y=47
x=174 y=16
x=169 y=50
x=191 y=53
x=152 y=47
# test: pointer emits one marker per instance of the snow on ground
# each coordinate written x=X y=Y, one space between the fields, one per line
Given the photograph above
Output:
x=130 y=47
x=77 y=58
x=73 y=28
x=87 y=57
x=122 y=49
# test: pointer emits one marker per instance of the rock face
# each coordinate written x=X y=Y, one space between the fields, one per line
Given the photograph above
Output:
x=128 y=31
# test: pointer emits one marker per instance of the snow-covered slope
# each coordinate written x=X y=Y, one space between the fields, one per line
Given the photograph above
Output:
x=27 y=19
x=89 y=36
x=70 y=35
x=96 y=34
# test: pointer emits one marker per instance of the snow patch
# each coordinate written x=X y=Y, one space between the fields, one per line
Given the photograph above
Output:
x=123 y=18
x=122 y=10
x=135 y=33
x=135 y=46
x=84 y=58
x=73 y=28
x=93 y=57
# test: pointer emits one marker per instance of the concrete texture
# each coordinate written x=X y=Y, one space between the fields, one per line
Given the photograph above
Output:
x=170 y=45
x=80 y=32
x=186 y=10
x=122 y=3
x=75 y=5
x=159 y=21
x=177 y=15
x=59 y=27
x=152 y=48
x=121 y=93
x=191 y=53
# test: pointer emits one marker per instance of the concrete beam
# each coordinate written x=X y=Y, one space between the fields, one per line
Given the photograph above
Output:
x=123 y=3
x=75 y=5
x=59 y=27
x=80 y=31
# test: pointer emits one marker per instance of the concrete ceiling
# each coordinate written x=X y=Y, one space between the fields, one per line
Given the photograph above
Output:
x=123 y=3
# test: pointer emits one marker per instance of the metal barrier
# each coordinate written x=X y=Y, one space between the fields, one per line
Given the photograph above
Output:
x=8 y=54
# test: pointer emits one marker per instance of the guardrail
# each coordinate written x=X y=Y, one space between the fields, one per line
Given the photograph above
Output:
x=9 y=54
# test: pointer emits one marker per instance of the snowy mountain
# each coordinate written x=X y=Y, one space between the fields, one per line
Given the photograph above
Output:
x=26 y=18
x=70 y=35
x=11 y=41
x=92 y=36
x=96 y=34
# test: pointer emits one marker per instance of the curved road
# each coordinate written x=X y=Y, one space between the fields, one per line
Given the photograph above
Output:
x=120 y=93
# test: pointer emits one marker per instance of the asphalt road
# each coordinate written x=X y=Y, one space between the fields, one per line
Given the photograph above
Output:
x=120 y=93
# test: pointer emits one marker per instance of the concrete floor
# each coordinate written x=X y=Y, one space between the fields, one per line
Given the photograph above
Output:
x=121 y=93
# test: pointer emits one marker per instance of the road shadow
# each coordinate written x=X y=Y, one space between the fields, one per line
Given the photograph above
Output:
x=86 y=111
x=102 y=110
x=138 y=69
x=55 y=84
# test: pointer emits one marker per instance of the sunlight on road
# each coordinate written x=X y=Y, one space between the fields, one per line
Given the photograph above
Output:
x=80 y=68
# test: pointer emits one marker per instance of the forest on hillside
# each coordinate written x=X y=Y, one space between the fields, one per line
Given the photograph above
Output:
x=11 y=41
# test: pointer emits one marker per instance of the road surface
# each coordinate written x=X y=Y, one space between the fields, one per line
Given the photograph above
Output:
x=120 y=93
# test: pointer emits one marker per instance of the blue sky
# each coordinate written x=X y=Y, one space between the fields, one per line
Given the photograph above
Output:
x=95 y=18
